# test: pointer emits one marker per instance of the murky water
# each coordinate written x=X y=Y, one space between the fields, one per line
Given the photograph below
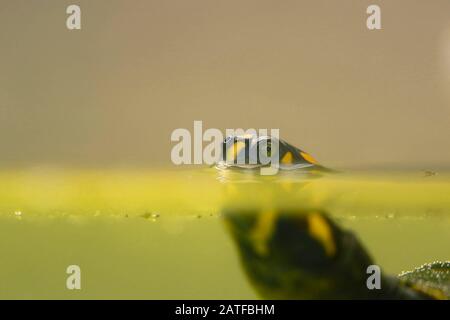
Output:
x=160 y=234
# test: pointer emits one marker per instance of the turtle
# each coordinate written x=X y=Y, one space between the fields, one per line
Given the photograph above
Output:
x=247 y=152
x=302 y=253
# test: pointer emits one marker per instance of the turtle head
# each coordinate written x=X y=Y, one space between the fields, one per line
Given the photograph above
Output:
x=250 y=152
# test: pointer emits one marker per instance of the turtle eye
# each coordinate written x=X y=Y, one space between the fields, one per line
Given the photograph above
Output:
x=269 y=149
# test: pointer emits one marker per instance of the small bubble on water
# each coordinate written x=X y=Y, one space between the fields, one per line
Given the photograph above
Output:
x=18 y=215
x=150 y=216
x=154 y=216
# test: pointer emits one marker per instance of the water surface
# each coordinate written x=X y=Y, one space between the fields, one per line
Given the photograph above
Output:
x=159 y=234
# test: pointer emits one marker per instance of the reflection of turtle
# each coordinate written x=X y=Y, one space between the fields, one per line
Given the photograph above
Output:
x=303 y=254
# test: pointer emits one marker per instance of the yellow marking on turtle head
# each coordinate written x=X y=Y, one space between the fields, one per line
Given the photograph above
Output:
x=262 y=231
x=287 y=158
x=308 y=157
x=234 y=150
x=320 y=229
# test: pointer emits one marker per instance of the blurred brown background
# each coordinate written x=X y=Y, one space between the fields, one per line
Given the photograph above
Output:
x=112 y=93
